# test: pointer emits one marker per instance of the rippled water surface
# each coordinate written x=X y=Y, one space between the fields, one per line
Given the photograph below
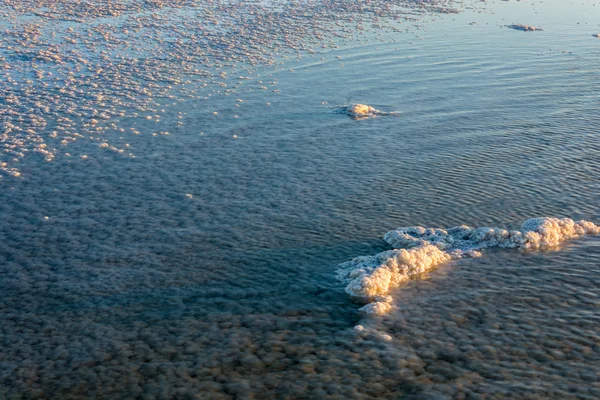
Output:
x=204 y=265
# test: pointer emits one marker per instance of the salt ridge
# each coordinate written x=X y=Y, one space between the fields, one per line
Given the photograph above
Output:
x=417 y=250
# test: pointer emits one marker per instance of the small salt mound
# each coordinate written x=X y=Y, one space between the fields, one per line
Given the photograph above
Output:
x=521 y=27
x=362 y=110
x=419 y=249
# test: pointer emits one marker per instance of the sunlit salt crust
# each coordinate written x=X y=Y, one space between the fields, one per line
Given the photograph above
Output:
x=419 y=249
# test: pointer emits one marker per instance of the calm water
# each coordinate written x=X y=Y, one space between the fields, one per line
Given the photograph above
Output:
x=205 y=266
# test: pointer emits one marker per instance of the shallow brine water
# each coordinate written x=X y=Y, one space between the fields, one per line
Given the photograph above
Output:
x=201 y=261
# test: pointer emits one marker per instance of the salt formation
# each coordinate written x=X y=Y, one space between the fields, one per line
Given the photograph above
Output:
x=361 y=110
x=522 y=27
x=419 y=249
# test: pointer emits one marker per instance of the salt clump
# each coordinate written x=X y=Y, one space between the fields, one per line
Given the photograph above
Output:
x=361 y=110
x=419 y=249
x=372 y=276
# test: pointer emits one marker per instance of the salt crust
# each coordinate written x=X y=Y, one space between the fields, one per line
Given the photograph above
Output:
x=417 y=250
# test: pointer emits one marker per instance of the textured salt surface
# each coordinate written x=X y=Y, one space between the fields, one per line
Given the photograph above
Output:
x=203 y=266
x=368 y=278
x=92 y=70
x=506 y=331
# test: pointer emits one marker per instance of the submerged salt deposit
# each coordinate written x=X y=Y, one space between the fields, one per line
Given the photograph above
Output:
x=418 y=250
